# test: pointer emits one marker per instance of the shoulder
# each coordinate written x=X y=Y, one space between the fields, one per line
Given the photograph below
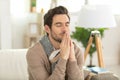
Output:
x=35 y=55
x=35 y=50
x=35 y=47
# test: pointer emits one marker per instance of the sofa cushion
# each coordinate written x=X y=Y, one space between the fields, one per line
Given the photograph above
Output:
x=100 y=76
x=105 y=76
x=13 y=64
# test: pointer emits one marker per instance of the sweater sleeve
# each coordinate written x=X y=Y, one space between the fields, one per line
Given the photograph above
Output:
x=75 y=68
x=38 y=71
x=59 y=71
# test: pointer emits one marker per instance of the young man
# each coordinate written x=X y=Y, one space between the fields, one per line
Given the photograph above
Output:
x=55 y=56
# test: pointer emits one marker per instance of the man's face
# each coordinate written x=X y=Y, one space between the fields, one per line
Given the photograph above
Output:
x=60 y=26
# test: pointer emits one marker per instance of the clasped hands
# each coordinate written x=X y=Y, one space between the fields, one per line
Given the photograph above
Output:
x=67 y=48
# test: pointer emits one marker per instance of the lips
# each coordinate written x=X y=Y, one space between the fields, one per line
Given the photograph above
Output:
x=62 y=33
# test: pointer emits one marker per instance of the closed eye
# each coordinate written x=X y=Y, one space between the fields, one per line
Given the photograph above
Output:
x=58 y=24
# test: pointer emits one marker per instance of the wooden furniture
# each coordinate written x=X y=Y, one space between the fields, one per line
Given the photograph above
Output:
x=31 y=40
x=32 y=35
x=96 y=35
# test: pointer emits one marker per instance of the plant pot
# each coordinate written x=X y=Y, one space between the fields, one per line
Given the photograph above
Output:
x=33 y=9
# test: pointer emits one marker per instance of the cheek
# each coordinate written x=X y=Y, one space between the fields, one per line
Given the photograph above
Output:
x=56 y=30
x=68 y=29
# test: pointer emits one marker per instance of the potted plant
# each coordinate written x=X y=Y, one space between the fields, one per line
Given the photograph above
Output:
x=82 y=35
x=33 y=5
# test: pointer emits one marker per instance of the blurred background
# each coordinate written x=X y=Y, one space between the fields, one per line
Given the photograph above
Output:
x=21 y=25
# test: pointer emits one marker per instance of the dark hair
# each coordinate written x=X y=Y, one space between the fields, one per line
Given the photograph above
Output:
x=48 y=18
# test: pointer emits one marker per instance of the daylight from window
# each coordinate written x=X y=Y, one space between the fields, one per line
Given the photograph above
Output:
x=114 y=4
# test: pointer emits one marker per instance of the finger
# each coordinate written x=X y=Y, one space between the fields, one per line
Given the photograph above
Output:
x=71 y=43
x=63 y=40
x=68 y=40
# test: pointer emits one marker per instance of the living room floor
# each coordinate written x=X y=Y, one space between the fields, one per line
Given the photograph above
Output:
x=115 y=69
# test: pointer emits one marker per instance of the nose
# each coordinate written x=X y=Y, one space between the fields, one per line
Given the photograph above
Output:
x=64 y=28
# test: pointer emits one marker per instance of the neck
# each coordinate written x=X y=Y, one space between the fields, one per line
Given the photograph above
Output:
x=55 y=44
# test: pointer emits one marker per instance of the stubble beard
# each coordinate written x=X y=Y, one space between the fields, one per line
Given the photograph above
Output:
x=55 y=37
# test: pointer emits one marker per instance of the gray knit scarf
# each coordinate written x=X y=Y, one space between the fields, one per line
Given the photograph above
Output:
x=48 y=48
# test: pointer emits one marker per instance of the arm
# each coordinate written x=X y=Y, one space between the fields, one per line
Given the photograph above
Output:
x=38 y=69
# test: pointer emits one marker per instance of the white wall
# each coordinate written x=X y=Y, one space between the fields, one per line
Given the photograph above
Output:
x=0 y=36
x=20 y=23
x=20 y=27
x=5 y=24
x=0 y=26
x=18 y=31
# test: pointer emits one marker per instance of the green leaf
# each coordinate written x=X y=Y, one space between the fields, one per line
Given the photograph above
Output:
x=33 y=3
x=82 y=35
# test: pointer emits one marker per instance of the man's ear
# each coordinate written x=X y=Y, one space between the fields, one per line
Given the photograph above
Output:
x=47 y=29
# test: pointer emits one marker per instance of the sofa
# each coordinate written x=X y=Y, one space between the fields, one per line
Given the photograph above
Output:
x=13 y=66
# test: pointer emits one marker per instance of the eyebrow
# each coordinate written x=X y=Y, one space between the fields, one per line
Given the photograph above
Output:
x=58 y=23
x=61 y=23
